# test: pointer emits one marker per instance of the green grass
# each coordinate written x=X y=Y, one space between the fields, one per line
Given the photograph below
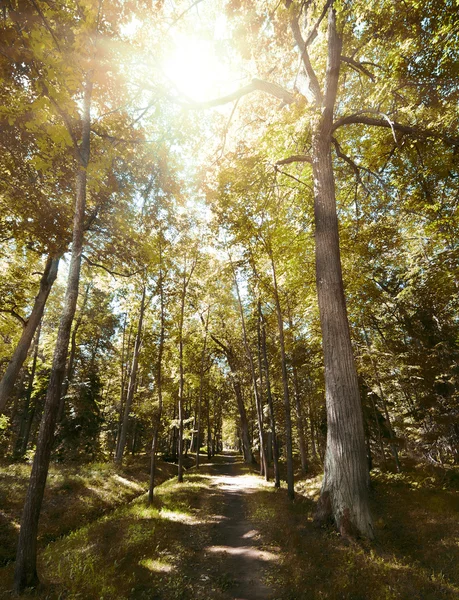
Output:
x=75 y=495
x=142 y=552
x=415 y=555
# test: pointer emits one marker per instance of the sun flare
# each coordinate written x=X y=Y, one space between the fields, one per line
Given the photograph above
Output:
x=196 y=69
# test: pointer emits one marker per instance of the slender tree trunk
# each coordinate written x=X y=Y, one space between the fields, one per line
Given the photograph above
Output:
x=260 y=370
x=132 y=380
x=288 y=419
x=186 y=281
x=263 y=464
x=299 y=410
x=71 y=360
x=245 y=435
x=344 y=494
x=26 y=557
x=24 y=429
x=20 y=353
x=159 y=384
x=181 y=381
x=383 y=400
x=270 y=404
x=201 y=386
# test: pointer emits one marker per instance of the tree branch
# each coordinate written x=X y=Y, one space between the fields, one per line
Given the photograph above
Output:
x=110 y=271
x=14 y=314
x=256 y=85
x=313 y=82
x=357 y=66
x=295 y=158
x=359 y=118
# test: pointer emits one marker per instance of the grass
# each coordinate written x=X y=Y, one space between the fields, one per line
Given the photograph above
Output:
x=75 y=495
x=415 y=555
x=159 y=552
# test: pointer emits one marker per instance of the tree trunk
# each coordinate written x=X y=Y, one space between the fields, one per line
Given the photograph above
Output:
x=344 y=494
x=263 y=464
x=288 y=419
x=260 y=370
x=186 y=281
x=132 y=380
x=71 y=360
x=299 y=410
x=159 y=383
x=245 y=435
x=20 y=353
x=201 y=385
x=24 y=428
x=270 y=405
x=25 y=574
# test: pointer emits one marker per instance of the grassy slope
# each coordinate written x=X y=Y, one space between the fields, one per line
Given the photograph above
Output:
x=158 y=552
x=415 y=555
x=75 y=495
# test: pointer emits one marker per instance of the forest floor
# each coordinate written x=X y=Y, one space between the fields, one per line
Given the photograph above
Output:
x=227 y=534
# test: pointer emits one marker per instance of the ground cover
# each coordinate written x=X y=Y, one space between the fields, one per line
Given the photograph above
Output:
x=225 y=533
x=75 y=495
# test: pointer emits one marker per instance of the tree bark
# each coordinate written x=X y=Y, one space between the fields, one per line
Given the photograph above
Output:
x=186 y=281
x=24 y=429
x=20 y=353
x=263 y=463
x=25 y=574
x=159 y=383
x=201 y=386
x=71 y=360
x=245 y=435
x=299 y=410
x=344 y=494
x=132 y=380
x=288 y=419
x=270 y=404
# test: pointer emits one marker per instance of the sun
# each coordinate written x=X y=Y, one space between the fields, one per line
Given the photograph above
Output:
x=196 y=69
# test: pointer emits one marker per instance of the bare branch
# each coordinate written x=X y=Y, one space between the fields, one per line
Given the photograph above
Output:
x=110 y=271
x=261 y=85
x=14 y=314
x=313 y=33
x=313 y=82
x=357 y=66
x=359 y=118
x=292 y=177
x=195 y=3
x=295 y=158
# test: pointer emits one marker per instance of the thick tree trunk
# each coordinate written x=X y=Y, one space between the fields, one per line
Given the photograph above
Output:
x=288 y=419
x=20 y=353
x=25 y=574
x=132 y=380
x=344 y=494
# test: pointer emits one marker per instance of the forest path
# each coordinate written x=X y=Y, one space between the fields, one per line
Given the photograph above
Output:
x=242 y=555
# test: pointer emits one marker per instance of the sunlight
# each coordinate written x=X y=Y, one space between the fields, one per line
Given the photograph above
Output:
x=245 y=551
x=156 y=565
x=196 y=70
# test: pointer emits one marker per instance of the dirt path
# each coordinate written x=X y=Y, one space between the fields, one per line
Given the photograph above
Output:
x=238 y=546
